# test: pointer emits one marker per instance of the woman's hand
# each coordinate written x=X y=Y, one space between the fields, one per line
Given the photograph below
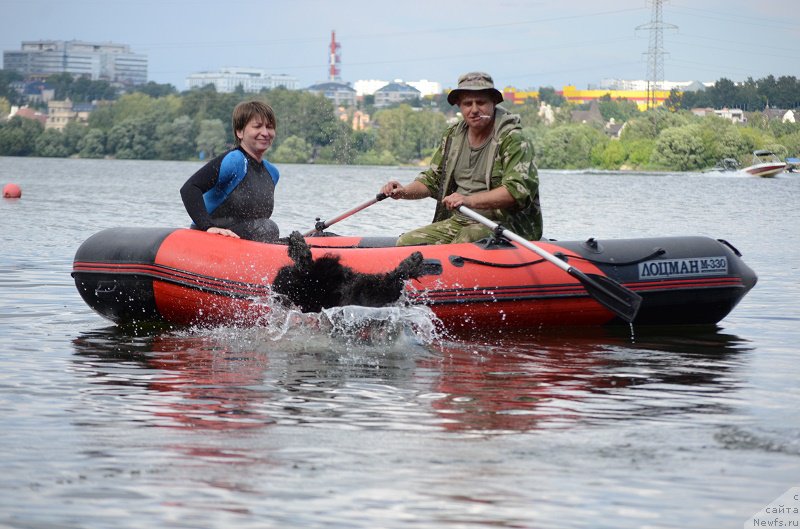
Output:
x=222 y=231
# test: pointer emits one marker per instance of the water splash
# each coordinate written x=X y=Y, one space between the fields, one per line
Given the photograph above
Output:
x=392 y=328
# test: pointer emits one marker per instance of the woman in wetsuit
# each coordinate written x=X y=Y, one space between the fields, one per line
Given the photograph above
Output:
x=234 y=194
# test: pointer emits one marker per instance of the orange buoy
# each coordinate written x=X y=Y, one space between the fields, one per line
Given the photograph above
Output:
x=11 y=191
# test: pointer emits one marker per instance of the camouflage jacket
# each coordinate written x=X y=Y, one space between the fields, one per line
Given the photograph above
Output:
x=513 y=168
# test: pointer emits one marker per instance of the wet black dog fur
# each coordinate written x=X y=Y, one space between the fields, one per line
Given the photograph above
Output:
x=314 y=284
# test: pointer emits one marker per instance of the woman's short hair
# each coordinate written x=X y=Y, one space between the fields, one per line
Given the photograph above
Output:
x=247 y=110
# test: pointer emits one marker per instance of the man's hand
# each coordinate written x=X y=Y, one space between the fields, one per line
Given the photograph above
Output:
x=392 y=189
x=455 y=200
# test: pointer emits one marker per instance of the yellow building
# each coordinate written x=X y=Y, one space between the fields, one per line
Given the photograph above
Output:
x=573 y=95
x=516 y=97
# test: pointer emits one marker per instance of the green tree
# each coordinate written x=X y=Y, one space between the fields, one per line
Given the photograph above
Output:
x=719 y=137
x=528 y=113
x=176 y=140
x=211 y=140
x=207 y=104
x=787 y=90
x=535 y=135
x=723 y=93
x=93 y=144
x=142 y=106
x=394 y=132
x=620 y=110
x=408 y=133
x=768 y=88
x=50 y=144
x=340 y=149
x=674 y=101
x=749 y=97
x=376 y=158
x=731 y=144
x=156 y=90
x=569 y=146
x=73 y=133
x=695 y=99
x=18 y=136
x=133 y=138
x=639 y=152
x=292 y=150
x=548 y=94
x=308 y=116
x=754 y=138
x=7 y=77
x=792 y=143
x=81 y=89
x=781 y=128
x=364 y=140
x=611 y=155
x=680 y=148
x=102 y=117
x=649 y=125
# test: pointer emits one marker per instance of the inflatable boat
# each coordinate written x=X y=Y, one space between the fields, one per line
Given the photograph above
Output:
x=187 y=277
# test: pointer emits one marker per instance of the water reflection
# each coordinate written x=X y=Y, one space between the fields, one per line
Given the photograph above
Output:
x=595 y=376
x=232 y=378
x=174 y=380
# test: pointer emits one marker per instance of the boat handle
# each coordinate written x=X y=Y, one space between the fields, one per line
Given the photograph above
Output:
x=105 y=288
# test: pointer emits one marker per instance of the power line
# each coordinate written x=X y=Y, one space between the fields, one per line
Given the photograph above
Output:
x=655 y=51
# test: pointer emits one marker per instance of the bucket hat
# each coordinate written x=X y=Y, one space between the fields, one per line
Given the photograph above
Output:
x=475 y=82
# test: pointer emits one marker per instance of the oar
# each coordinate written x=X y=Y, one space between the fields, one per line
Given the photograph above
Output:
x=620 y=300
x=321 y=226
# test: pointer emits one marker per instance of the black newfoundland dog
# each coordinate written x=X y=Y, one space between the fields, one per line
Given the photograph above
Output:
x=316 y=284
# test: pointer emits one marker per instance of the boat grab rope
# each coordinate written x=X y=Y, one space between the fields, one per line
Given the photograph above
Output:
x=459 y=260
x=657 y=252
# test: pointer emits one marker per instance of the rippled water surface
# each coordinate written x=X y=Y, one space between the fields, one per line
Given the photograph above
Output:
x=303 y=423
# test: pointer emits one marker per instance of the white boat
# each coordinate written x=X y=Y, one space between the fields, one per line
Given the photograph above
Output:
x=765 y=164
x=792 y=165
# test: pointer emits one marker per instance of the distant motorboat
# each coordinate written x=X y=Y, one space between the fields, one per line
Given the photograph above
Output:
x=792 y=165
x=727 y=164
x=765 y=164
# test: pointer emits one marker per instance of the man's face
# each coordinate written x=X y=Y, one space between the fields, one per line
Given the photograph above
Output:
x=477 y=109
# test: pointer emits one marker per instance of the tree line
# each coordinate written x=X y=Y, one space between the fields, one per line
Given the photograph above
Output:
x=172 y=126
x=751 y=95
x=157 y=122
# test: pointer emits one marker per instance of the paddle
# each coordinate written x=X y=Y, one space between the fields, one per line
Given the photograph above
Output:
x=621 y=301
x=320 y=225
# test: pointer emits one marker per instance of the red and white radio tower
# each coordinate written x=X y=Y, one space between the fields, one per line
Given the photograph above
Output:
x=335 y=58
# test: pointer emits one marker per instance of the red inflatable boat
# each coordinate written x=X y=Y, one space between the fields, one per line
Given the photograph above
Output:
x=183 y=276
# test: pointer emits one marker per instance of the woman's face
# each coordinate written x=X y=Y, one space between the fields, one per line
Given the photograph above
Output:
x=256 y=137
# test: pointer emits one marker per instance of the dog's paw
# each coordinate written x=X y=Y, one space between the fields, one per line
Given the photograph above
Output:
x=299 y=252
x=411 y=267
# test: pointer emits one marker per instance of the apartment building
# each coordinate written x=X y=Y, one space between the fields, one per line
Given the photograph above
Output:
x=107 y=61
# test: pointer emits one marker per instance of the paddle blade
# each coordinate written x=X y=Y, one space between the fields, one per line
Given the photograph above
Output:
x=621 y=301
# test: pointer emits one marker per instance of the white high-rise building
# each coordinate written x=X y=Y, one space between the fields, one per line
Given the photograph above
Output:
x=250 y=79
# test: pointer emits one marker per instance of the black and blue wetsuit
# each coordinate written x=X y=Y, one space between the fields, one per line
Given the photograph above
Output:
x=236 y=192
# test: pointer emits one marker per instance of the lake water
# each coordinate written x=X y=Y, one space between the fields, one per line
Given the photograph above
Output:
x=663 y=428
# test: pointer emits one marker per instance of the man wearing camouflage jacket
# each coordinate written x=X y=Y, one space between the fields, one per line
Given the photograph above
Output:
x=484 y=163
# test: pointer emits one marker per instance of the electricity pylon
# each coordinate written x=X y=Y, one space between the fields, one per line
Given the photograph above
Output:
x=655 y=51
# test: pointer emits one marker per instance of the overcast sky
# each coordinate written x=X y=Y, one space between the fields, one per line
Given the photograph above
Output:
x=522 y=43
